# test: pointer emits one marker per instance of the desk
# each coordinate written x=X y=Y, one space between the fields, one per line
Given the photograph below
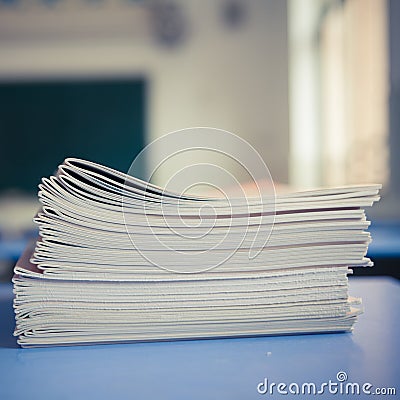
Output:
x=210 y=369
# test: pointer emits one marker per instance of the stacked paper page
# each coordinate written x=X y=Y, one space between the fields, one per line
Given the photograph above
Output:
x=121 y=260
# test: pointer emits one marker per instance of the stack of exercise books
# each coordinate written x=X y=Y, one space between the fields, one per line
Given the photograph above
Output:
x=121 y=260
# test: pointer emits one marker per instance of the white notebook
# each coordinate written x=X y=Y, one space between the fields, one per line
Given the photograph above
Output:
x=121 y=260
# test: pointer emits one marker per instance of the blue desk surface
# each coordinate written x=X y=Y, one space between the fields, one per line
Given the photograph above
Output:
x=210 y=369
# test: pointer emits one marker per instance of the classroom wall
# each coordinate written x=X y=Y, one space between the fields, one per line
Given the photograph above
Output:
x=219 y=74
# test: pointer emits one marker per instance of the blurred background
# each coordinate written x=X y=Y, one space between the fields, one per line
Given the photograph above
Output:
x=313 y=85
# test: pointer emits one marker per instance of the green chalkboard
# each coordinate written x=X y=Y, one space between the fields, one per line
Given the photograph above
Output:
x=41 y=123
